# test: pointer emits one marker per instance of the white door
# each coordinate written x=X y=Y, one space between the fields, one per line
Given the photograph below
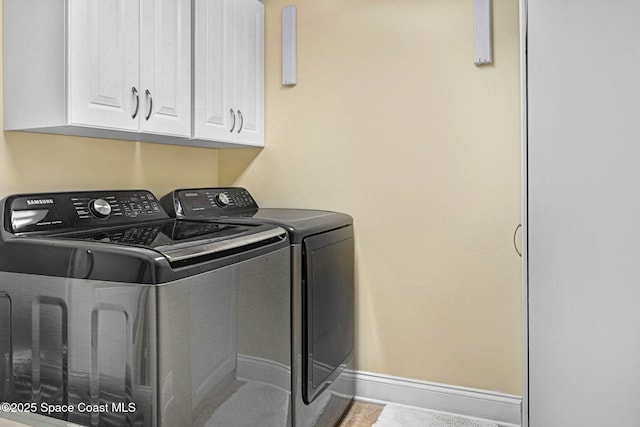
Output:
x=215 y=116
x=165 y=65
x=249 y=85
x=583 y=226
x=103 y=73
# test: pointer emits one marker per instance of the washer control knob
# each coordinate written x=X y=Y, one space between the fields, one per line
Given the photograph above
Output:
x=100 y=208
x=221 y=200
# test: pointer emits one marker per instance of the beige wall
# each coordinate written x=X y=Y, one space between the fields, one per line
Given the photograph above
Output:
x=35 y=162
x=393 y=123
x=32 y=162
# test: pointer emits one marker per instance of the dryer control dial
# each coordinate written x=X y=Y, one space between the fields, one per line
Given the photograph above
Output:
x=100 y=208
x=222 y=200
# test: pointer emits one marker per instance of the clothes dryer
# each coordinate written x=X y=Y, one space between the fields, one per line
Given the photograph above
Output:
x=322 y=293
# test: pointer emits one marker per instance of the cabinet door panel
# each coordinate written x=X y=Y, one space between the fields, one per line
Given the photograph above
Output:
x=250 y=71
x=582 y=213
x=213 y=85
x=103 y=63
x=166 y=67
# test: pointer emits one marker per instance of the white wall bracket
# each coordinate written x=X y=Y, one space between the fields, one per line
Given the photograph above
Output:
x=289 y=70
x=482 y=32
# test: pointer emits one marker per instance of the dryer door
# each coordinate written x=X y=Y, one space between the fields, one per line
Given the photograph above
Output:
x=327 y=315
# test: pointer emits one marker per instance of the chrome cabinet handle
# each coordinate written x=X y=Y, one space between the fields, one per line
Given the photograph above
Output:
x=137 y=95
x=148 y=94
x=233 y=114
x=241 y=121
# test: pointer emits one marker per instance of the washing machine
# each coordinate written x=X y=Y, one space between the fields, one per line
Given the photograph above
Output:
x=115 y=314
x=322 y=293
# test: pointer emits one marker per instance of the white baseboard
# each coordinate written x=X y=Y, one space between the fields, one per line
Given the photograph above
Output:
x=501 y=408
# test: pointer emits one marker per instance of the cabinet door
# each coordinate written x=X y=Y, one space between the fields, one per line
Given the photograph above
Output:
x=215 y=116
x=249 y=74
x=583 y=229
x=165 y=64
x=103 y=63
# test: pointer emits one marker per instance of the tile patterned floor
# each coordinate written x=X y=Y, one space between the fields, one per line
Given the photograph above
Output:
x=361 y=414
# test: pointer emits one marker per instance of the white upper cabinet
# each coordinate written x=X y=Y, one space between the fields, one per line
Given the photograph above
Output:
x=104 y=63
x=229 y=72
x=105 y=68
x=249 y=73
x=213 y=71
x=124 y=69
x=165 y=67
x=130 y=65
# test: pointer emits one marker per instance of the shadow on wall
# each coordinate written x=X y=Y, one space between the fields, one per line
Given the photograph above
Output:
x=233 y=162
x=44 y=162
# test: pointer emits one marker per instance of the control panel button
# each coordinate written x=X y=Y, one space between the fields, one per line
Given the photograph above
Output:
x=100 y=208
x=221 y=199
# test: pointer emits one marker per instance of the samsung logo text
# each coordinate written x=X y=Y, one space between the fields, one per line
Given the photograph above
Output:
x=39 y=202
